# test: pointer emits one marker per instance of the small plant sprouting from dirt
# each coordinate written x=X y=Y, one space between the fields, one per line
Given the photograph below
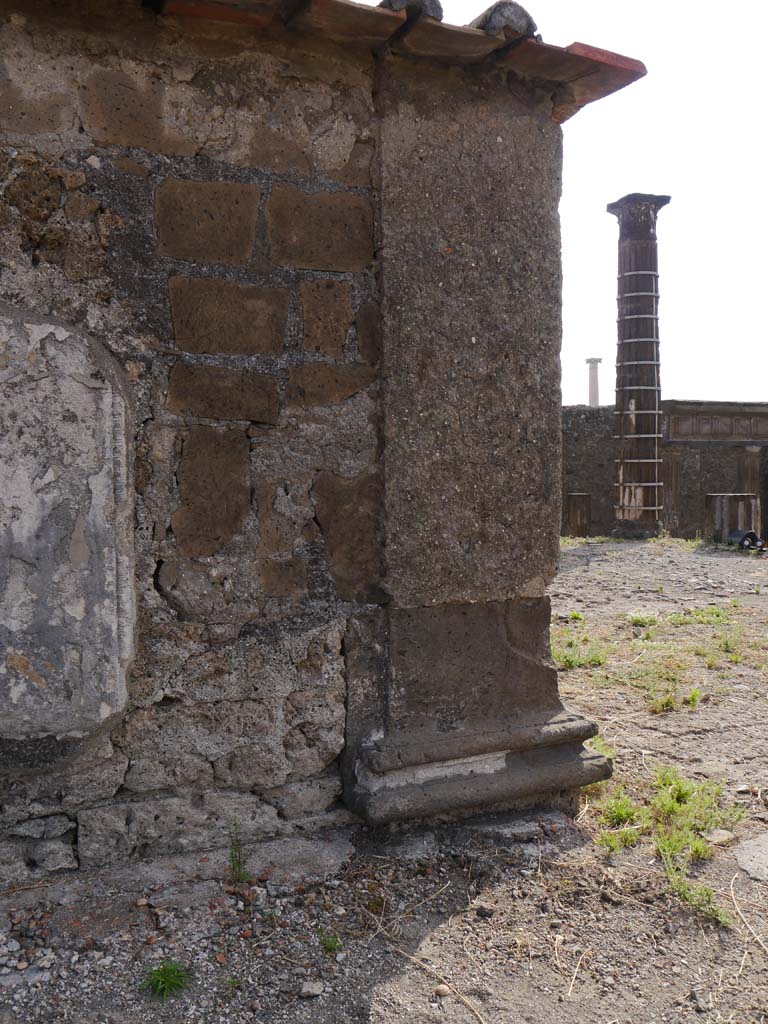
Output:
x=236 y=869
x=576 y=616
x=169 y=979
x=663 y=703
x=693 y=698
x=331 y=943
x=677 y=815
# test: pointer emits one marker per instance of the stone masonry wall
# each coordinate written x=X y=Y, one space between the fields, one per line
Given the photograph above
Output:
x=337 y=357
x=589 y=451
x=200 y=209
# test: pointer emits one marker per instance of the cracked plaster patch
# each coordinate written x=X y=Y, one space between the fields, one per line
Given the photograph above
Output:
x=66 y=549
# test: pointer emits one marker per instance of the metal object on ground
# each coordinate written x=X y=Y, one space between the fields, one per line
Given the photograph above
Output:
x=639 y=497
x=747 y=540
x=724 y=513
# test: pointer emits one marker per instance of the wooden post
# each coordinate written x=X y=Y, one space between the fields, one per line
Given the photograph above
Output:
x=578 y=515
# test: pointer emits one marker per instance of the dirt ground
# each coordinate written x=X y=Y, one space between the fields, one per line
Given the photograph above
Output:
x=498 y=920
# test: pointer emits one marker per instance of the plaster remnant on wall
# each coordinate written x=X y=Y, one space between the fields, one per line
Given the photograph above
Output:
x=66 y=547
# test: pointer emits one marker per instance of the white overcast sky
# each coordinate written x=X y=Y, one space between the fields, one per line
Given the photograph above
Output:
x=694 y=129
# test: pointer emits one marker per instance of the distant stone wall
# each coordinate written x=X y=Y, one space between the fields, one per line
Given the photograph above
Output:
x=589 y=451
x=282 y=528
x=690 y=470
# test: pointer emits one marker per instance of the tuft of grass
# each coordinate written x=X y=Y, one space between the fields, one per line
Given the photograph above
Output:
x=641 y=619
x=618 y=809
x=677 y=816
x=693 y=698
x=169 y=979
x=663 y=703
x=237 y=870
x=576 y=616
x=577 y=650
x=331 y=943
x=599 y=745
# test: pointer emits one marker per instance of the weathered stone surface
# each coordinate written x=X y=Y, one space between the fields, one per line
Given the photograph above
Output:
x=471 y=406
x=327 y=308
x=752 y=857
x=283 y=577
x=207 y=221
x=211 y=315
x=153 y=826
x=255 y=713
x=303 y=798
x=22 y=113
x=214 y=488
x=475 y=668
x=66 y=552
x=339 y=438
x=212 y=392
x=320 y=231
x=121 y=109
x=94 y=773
x=324 y=384
x=349 y=512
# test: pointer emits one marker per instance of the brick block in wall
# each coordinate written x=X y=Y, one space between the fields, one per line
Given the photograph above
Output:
x=118 y=109
x=368 y=322
x=327 y=307
x=214 y=488
x=210 y=315
x=348 y=511
x=23 y=113
x=215 y=393
x=320 y=231
x=283 y=577
x=206 y=221
x=323 y=384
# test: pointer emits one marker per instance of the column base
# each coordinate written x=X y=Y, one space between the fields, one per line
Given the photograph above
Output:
x=541 y=773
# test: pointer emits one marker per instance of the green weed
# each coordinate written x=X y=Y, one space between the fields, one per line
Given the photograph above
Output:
x=237 y=870
x=576 y=616
x=618 y=809
x=169 y=979
x=693 y=698
x=331 y=943
x=599 y=745
x=663 y=703
x=577 y=650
